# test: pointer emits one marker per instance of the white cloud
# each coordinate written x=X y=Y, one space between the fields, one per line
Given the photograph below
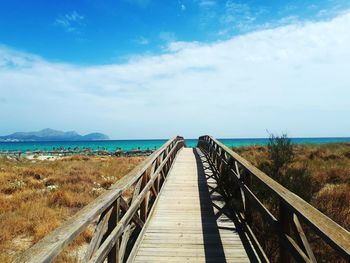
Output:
x=292 y=78
x=71 y=22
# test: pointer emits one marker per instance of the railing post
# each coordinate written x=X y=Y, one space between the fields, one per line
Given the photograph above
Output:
x=144 y=204
x=247 y=179
x=113 y=255
x=220 y=166
x=285 y=223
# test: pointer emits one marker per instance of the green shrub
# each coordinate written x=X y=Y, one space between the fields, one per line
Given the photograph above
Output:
x=281 y=154
x=279 y=167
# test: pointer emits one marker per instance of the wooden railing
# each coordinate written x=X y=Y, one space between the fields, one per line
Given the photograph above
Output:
x=293 y=211
x=117 y=215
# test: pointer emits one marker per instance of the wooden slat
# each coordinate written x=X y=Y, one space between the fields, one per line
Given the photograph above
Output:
x=136 y=219
x=183 y=224
x=124 y=242
x=100 y=230
x=301 y=238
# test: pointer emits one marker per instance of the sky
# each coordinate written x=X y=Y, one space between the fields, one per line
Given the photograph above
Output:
x=153 y=69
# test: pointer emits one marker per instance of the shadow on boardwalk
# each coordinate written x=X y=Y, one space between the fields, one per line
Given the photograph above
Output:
x=215 y=214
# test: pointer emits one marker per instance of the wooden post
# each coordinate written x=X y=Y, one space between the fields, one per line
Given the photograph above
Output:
x=144 y=204
x=247 y=179
x=113 y=255
x=285 y=223
x=157 y=183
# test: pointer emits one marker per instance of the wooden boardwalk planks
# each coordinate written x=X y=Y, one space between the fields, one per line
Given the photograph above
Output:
x=184 y=226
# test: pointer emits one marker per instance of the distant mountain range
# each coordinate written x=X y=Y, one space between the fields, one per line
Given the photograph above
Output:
x=52 y=135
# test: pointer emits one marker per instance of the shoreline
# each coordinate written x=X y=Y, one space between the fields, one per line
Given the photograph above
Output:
x=59 y=153
x=134 y=147
x=55 y=154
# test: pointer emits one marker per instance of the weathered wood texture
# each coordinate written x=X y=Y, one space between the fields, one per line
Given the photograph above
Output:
x=114 y=215
x=292 y=209
x=188 y=223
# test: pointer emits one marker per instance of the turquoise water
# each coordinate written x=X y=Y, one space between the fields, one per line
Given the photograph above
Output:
x=126 y=145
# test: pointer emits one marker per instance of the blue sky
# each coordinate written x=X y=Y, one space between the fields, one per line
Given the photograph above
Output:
x=98 y=32
x=124 y=67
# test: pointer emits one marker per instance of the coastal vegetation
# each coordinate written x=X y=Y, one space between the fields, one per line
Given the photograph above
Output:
x=320 y=174
x=37 y=196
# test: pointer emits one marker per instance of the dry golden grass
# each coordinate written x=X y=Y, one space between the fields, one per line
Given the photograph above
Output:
x=36 y=197
x=329 y=168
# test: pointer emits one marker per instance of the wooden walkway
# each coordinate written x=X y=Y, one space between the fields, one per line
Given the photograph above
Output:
x=176 y=214
x=188 y=223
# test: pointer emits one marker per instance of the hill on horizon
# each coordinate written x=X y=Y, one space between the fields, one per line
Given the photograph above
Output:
x=53 y=135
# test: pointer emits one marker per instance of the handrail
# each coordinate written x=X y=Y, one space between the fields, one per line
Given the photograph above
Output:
x=291 y=207
x=118 y=218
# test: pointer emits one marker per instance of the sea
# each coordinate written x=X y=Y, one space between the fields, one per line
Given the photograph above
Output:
x=127 y=145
